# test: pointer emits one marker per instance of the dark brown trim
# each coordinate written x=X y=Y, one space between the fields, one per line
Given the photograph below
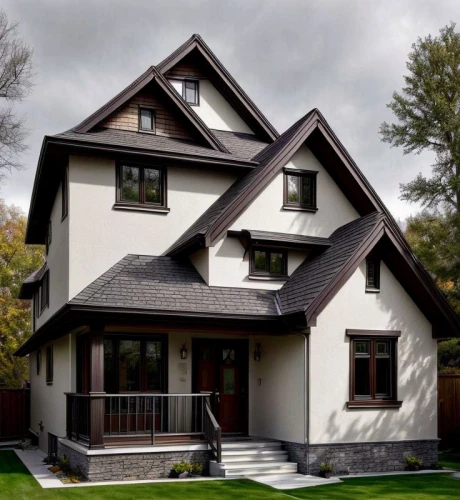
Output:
x=372 y=333
x=130 y=207
x=374 y=404
x=299 y=209
x=196 y=42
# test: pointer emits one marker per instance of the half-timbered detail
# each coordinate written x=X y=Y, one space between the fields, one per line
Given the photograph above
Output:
x=207 y=294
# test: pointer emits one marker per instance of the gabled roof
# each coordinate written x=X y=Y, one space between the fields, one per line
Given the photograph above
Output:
x=31 y=283
x=163 y=283
x=152 y=75
x=309 y=285
x=224 y=82
x=240 y=144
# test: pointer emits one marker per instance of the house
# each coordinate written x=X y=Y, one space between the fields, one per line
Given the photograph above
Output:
x=217 y=292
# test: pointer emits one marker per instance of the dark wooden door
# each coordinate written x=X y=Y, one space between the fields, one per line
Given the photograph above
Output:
x=221 y=368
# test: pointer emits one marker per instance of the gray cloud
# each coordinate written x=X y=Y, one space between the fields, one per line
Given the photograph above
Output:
x=343 y=57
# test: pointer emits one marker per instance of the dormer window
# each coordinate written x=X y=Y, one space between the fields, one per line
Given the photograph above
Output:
x=300 y=190
x=190 y=92
x=372 y=275
x=147 y=120
x=268 y=263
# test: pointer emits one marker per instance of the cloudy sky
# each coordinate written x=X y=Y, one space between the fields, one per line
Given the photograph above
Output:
x=345 y=57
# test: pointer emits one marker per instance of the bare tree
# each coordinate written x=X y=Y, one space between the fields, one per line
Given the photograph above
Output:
x=16 y=81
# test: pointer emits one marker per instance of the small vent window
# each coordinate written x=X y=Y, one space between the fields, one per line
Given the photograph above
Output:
x=190 y=92
x=373 y=275
x=147 y=120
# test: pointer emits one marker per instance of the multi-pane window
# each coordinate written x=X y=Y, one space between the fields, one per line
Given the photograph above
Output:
x=268 y=262
x=147 y=120
x=190 y=92
x=372 y=274
x=134 y=365
x=373 y=370
x=42 y=296
x=141 y=185
x=49 y=364
x=300 y=189
x=39 y=362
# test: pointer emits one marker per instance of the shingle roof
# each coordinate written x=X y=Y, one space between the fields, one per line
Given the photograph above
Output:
x=238 y=189
x=242 y=145
x=167 y=284
x=287 y=239
x=147 y=142
x=31 y=282
x=313 y=276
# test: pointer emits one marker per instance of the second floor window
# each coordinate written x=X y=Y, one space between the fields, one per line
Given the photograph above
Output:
x=268 y=263
x=49 y=364
x=373 y=275
x=139 y=185
x=147 y=120
x=300 y=189
x=190 y=92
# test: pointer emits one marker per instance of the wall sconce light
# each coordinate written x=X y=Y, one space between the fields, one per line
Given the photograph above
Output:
x=257 y=353
x=183 y=351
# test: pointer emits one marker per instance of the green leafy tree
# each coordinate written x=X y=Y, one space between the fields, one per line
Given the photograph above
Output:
x=17 y=261
x=428 y=113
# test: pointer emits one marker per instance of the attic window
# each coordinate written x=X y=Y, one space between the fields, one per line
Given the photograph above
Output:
x=372 y=275
x=300 y=190
x=147 y=120
x=190 y=92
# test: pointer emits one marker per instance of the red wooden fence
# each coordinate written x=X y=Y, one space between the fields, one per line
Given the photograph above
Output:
x=449 y=408
x=14 y=413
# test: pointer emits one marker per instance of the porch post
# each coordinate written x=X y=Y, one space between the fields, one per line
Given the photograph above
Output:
x=97 y=394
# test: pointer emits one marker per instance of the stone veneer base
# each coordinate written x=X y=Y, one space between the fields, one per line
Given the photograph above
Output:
x=130 y=466
x=348 y=458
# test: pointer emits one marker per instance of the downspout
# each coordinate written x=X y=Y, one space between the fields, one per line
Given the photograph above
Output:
x=306 y=392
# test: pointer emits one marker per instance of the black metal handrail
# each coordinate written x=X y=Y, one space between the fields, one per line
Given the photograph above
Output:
x=212 y=431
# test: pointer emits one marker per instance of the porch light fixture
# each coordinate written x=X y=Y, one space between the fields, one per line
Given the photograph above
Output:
x=183 y=351
x=257 y=353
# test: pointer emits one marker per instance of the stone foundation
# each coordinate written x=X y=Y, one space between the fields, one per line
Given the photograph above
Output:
x=361 y=457
x=131 y=466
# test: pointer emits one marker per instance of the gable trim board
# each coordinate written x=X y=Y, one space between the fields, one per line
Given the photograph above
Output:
x=197 y=43
x=152 y=74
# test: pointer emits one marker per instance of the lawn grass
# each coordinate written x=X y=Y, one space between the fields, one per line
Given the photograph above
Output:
x=450 y=459
x=17 y=484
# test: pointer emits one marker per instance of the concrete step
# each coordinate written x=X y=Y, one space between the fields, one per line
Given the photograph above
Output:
x=278 y=457
x=244 y=445
x=272 y=450
x=251 y=469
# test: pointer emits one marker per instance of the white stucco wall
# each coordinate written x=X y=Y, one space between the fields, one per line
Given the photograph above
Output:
x=276 y=389
x=391 y=309
x=214 y=109
x=265 y=213
x=100 y=236
x=48 y=402
x=58 y=261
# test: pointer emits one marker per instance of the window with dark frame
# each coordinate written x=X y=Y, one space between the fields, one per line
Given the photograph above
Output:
x=300 y=189
x=39 y=362
x=372 y=274
x=147 y=120
x=134 y=364
x=190 y=92
x=44 y=292
x=141 y=185
x=48 y=237
x=65 y=193
x=373 y=371
x=267 y=262
x=49 y=364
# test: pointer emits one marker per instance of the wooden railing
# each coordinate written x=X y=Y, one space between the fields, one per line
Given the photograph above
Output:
x=212 y=432
x=95 y=417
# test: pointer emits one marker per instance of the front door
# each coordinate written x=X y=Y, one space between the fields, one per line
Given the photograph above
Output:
x=221 y=367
